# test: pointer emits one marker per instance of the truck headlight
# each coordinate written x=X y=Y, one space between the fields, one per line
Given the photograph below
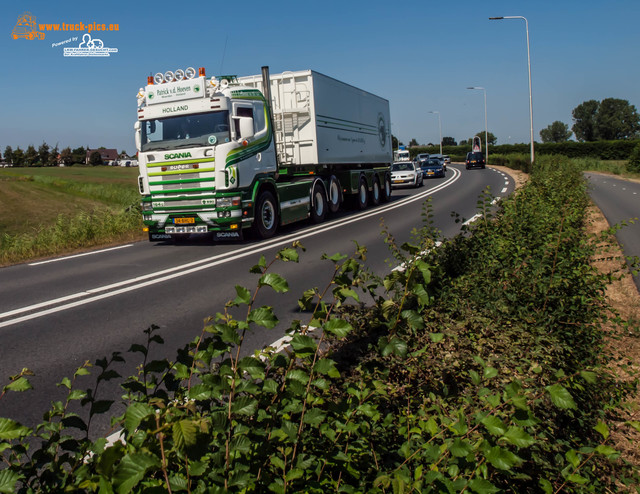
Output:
x=227 y=202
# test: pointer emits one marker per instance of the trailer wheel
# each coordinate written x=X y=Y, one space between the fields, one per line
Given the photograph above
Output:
x=266 y=215
x=334 y=194
x=363 y=193
x=318 y=203
x=386 y=191
x=375 y=192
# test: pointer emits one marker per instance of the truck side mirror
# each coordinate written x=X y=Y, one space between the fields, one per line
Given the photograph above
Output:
x=138 y=137
x=243 y=127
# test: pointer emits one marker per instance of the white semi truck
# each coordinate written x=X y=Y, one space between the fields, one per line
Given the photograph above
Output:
x=401 y=154
x=226 y=154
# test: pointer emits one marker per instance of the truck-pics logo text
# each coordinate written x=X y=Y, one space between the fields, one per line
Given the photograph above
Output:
x=27 y=28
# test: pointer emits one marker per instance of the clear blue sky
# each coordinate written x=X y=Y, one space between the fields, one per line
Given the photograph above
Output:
x=420 y=55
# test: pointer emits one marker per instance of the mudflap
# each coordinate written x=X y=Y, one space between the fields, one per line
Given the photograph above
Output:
x=230 y=236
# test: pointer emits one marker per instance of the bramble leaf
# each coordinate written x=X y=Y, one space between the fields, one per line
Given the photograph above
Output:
x=518 y=437
x=243 y=295
x=132 y=469
x=8 y=480
x=602 y=428
x=337 y=327
x=326 y=367
x=20 y=384
x=560 y=396
x=501 y=458
x=275 y=281
x=303 y=345
x=10 y=429
x=494 y=425
x=136 y=413
x=263 y=316
x=184 y=433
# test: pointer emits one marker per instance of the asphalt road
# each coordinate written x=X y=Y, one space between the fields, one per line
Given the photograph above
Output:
x=57 y=314
x=619 y=201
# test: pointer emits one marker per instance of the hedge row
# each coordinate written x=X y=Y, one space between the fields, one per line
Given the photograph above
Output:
x=604 y=150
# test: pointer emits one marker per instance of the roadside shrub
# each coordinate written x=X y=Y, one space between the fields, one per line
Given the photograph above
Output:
x=513 y=161
x=634 y=160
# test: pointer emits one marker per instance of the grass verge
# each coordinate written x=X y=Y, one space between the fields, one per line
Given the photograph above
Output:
x=50 y=211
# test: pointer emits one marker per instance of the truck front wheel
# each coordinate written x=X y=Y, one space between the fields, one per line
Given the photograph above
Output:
x=266 y=215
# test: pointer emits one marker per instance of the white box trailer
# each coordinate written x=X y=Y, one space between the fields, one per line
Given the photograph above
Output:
x=320 y=120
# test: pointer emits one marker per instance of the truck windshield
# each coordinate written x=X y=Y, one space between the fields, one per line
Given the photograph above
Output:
x=200 y=129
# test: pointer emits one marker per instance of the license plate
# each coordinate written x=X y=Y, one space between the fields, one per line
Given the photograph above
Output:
x=183 y=221
x=397 y=181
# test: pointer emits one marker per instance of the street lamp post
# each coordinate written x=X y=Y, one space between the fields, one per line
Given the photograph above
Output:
x=440 y=126
x=526 y=24
x=486 y=140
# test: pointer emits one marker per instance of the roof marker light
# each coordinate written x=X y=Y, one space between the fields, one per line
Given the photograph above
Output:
x=169 y=76
x=150 y=80
x=201 y=72
x=190 y=72
x=179 y=74
x=159 y=78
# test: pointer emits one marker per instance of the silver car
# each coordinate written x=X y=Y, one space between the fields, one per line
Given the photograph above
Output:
x=406 y=174
x=447 y=161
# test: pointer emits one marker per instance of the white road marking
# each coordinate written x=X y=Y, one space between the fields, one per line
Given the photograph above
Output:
x=479 y=215
x=402 y=267
x=503 y=190
x=179 y=271
x=472 y=219
x=79 y=255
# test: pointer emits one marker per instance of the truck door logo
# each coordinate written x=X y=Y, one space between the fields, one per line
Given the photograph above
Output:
x=382 y=130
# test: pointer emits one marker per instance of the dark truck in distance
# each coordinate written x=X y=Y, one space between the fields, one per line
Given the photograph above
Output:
x=475 y=160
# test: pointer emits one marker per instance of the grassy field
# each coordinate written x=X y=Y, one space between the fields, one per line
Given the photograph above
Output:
x=46 y=211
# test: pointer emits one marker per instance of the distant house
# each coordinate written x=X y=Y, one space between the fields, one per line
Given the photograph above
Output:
x=108 y=155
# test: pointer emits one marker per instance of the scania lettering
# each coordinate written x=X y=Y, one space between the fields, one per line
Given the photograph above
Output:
x=177 y=156
x=229 y=154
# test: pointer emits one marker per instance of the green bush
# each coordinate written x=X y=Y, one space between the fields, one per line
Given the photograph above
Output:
x=634 y=160
x=514 y=161
x=480 y=366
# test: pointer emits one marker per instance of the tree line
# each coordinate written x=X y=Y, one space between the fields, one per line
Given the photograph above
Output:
x=611 y=119
x=45 y=155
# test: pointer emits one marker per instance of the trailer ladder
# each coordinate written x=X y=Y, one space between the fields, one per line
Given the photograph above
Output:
x=291 y=111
